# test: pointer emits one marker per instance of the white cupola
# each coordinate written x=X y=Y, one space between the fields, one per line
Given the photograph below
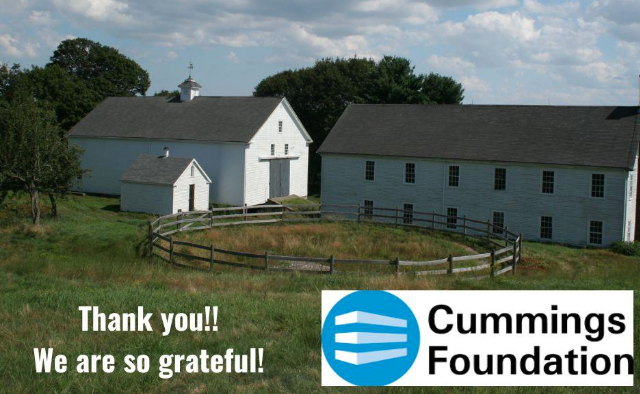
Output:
x=189 y=89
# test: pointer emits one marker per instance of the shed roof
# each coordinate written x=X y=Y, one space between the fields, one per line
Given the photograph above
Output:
x=563 y=135
x=157 y=170
x=224 y=119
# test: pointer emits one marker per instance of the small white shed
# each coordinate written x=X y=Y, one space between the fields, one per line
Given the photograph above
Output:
x=164 y=185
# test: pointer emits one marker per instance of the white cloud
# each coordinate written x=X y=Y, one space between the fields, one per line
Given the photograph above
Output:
x=233 y=58
x=8 y=46
x=110 y=11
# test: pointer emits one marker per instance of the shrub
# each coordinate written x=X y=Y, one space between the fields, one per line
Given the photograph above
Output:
x=627 y=248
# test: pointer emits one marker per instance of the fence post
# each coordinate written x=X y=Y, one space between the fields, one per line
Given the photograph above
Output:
x=180 y=216
x=211 y=257
x=488 y=230
x=358 y=212
x=450 y=264
x=150 y=241
x=244 y=212
x=505 y=231
x=171 y=250
x=464 y=225
x=266 y=261
x=520 y=247
x=515 y=256
x=210 y=219
x=397 y=265
x=332 y=264
x=493 y=262
x=433 y=220
x=397 y=208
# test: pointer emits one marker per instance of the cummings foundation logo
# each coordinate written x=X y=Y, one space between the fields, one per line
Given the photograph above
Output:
x=370 y=338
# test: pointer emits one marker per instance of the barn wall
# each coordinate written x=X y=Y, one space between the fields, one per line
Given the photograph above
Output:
x=257 y=174
x=523 y=203
x=108 y=159
x=181 y=191
x=136 y=197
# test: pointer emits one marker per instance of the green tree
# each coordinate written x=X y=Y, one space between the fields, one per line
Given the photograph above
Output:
x=166 y=93
x=321 y=93
x=105 y=70
x=33 y=157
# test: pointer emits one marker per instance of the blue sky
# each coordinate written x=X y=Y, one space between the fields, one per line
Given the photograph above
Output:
x=503 y=51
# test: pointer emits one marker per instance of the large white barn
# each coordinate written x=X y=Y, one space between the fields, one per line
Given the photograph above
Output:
x=252 y=148
x=553 y=173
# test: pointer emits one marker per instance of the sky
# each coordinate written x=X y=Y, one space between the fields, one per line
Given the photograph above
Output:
x=502 y=51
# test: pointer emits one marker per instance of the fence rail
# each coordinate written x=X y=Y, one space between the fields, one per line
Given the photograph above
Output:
x=496 y=262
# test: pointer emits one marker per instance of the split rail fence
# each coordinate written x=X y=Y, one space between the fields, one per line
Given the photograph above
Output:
x=504 y=256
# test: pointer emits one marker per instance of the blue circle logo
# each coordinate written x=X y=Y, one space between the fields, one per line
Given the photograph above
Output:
x=370 y=338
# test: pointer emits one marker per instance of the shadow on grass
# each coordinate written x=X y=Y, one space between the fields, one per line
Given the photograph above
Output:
x=111 y=208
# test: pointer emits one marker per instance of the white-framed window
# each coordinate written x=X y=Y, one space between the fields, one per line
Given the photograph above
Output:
x=498 y=222
x=452 y=217
x=454 y=176
x=597 y=185
x=193 y=171
x=273 y=149
x=279 y=126
x=286 y=149
x=500 y=179
x=546 y=227
x=595 y=232
x=370 y=170
x=410 y=173
x=368 y=208
x=407 y=215
x=548 y=182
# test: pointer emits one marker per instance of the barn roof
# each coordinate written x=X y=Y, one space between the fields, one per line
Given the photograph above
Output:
x=224 y=119
x=157 y=170
x=563 y=135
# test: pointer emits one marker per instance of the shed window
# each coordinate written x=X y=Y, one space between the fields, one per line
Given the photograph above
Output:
x=286 y=149
x=548 y=180
x=498 y=222
x=500 y=181
x=368 y=208
x=370 y=170
x=273 y=149
x=452 y=217
x=410 y=173
x=280 y=126
x=597 y=185
x=546 y=227
x=193 y=171
x=595 y=232
x=454 y=176
x=407 y=215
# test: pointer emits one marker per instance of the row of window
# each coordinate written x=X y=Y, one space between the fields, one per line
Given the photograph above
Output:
x=500 y=179
x=273 y=149
x=546 y=222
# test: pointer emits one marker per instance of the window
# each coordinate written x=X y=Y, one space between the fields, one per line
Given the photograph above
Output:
x=407 y=216
x=454 y=176
x=498 y=222
x=548 y=178
x=410 y=173
x=193 y=171
x=452 y=217
x=595 y=232
x=546 y=227
x=279 y=126
x=368 y=208
x=370 y=170
x=273 y=149
x=286 y=149
x=597 y=185
x=500 y=181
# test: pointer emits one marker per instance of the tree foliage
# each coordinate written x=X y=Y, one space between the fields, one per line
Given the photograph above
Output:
x=166 y=93
x=321 y=93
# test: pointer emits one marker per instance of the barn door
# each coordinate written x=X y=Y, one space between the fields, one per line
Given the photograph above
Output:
x=192 y=197
x=279 y=173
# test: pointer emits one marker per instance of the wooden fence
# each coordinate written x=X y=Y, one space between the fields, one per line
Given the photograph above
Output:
x=504 y=256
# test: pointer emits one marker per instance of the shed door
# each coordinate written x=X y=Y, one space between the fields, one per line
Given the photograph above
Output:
x=192 y=197
x=279 y=173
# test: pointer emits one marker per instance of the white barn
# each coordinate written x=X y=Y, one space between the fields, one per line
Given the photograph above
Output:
x=164 y=185
x=252 y=148
x=553 y=173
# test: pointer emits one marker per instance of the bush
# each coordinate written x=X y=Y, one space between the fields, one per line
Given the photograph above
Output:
x=627 y=248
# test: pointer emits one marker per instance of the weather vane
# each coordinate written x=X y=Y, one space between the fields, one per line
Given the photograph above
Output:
x=190 y=68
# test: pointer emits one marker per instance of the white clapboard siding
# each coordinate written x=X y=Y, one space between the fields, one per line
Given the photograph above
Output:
x=181 y=191
x=571 y=206
x=139 y=197
x=257 y=167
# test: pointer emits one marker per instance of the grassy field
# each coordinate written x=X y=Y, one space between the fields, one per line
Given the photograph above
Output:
x=93 y=255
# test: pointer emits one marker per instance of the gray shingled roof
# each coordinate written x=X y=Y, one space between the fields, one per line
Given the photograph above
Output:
x=583 y=136
x=225 y=119
x=157 y=170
